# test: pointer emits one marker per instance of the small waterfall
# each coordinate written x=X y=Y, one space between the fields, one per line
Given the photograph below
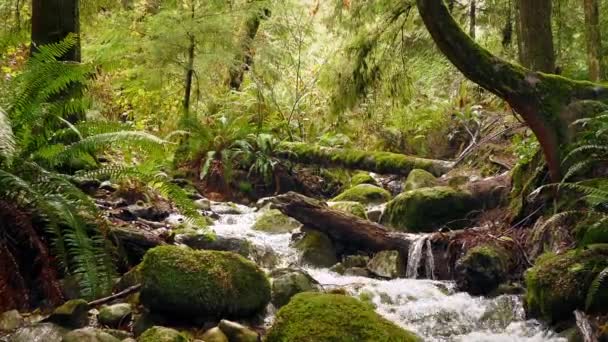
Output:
x=414 y=257
x=584 y=326
x=430 y=261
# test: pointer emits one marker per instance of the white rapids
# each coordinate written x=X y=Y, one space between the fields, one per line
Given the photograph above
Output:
x=432 y=309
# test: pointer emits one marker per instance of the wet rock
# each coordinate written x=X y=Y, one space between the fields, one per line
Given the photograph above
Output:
x=264 y=202
x=316 y=249
x=353 y=208
x=225 y=208
x=482 y=269
x=427 y=209
x=375 y=214
x=190 y=284
x=157 y=212
x=387 y=264
x=72 y=314
x=338 y=268
x=237 y=332
x=265 y=256
x=288 y=282
x=203 y=204
x=559 y=284
x=332 y=317
x=10 y=320
x=115 y=315
x=215 y=335
x=366 y=194
x=129 y=279
x=89 y=335
x=162 y=334
x=357 y=272
x=43 y=332
x=418 y=179
x=108 y=186
x=355 y=261
x=394 y=186
x=216 y=243
x=275 y=222
x=119 y=334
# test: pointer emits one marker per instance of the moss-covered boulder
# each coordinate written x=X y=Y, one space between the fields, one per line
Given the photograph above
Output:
x=353 y=208
x=426 y=209
x=162 y=334
x=89 y=334
x=559 y=284
x=288 y=282
x=71 y=314
x=188 y=283
x=482 y=269
x=362 y=178
x=418 y=179
x=364 y=194
x=313 y=317
x=115 y=315
x=316 y=249
x=275 y=222
x=215 y=335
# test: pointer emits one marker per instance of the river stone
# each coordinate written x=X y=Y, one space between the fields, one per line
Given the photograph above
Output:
x=482 y=269
x=333 y=317
x=387 y=264
x=203 y=204
x=357 y=272
x=366 y=194
x=428 y=209
x=225 y=208
x=274 y=221
x=72 y=314
x=418 y=179
x=115 y=315
x=316 y=249
x=10 y=320
x=374 y=214
x=162 y=334
x=288 y=282
x=215 y=335
x=43 y=332
x=89 y=335
x=237 y=332
x=190 y=284
x=355 y=261
x=216 y=243
x=353 y=208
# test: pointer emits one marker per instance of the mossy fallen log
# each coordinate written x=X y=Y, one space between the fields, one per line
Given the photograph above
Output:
x=378 y=162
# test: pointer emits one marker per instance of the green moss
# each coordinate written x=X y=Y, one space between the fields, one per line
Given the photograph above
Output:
x=362 y=178
x=275 y=222
x=558 y=284
x=313 y=317
x=353 y=208
x=316 y=249
x=481 y=270
x=427 y=209
x=365 y=194
x=162 y=334
x=419 y=179
x=190 y=283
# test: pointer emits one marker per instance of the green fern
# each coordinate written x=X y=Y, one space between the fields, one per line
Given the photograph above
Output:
x=596 y=286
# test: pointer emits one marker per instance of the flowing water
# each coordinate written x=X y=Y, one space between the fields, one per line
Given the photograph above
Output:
x=584 y=326
x=432 y=309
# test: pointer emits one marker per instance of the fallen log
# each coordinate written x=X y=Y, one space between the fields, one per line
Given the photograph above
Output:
x=378 y=162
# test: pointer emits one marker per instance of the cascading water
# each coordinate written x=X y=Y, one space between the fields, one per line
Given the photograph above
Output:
x=432 y=309
x=415 y=256
x=584 y=326
x=430 y=261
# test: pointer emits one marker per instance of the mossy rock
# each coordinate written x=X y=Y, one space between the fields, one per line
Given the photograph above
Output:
x=364 y=194
x=418 y=179
x=314 y=317
x=274 y=221
x=316 y=249
x=427 y=209
x=558 y=284
x=71 y=314
x=162 y=334
x=482 y=269
x=188 y=283
x=353 y=208
x=362 y=178
x=89 y=334
x=287 y=282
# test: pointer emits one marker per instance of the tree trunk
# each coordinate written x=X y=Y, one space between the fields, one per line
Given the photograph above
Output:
x=52 y=21
x=536 y=35
x=189 y=75
x=472 y=19
x=542 y=100
x=244 y=59
x=378 y=162
x=593 y=38
x=18 y=15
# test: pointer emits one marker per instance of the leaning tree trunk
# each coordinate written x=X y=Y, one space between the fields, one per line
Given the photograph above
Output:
x=53 y=21
x=536 y=35
x=593 y=38
x=544 y=101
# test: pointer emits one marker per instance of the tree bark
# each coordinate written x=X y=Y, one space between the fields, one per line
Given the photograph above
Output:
x=593 y=38
x=378 y=162
x=189 y=74
x=542 y=100
x=52 y=21
x=536 y=35
x=472 y=19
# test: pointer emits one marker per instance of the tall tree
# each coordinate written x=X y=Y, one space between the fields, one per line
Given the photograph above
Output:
x=473 y=19
x=547 y=103
x=593 y=38
x=535 y=34
x=52 y=21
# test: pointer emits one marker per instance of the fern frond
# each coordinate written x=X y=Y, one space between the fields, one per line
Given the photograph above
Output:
x=594 y=289
x=7 y=140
